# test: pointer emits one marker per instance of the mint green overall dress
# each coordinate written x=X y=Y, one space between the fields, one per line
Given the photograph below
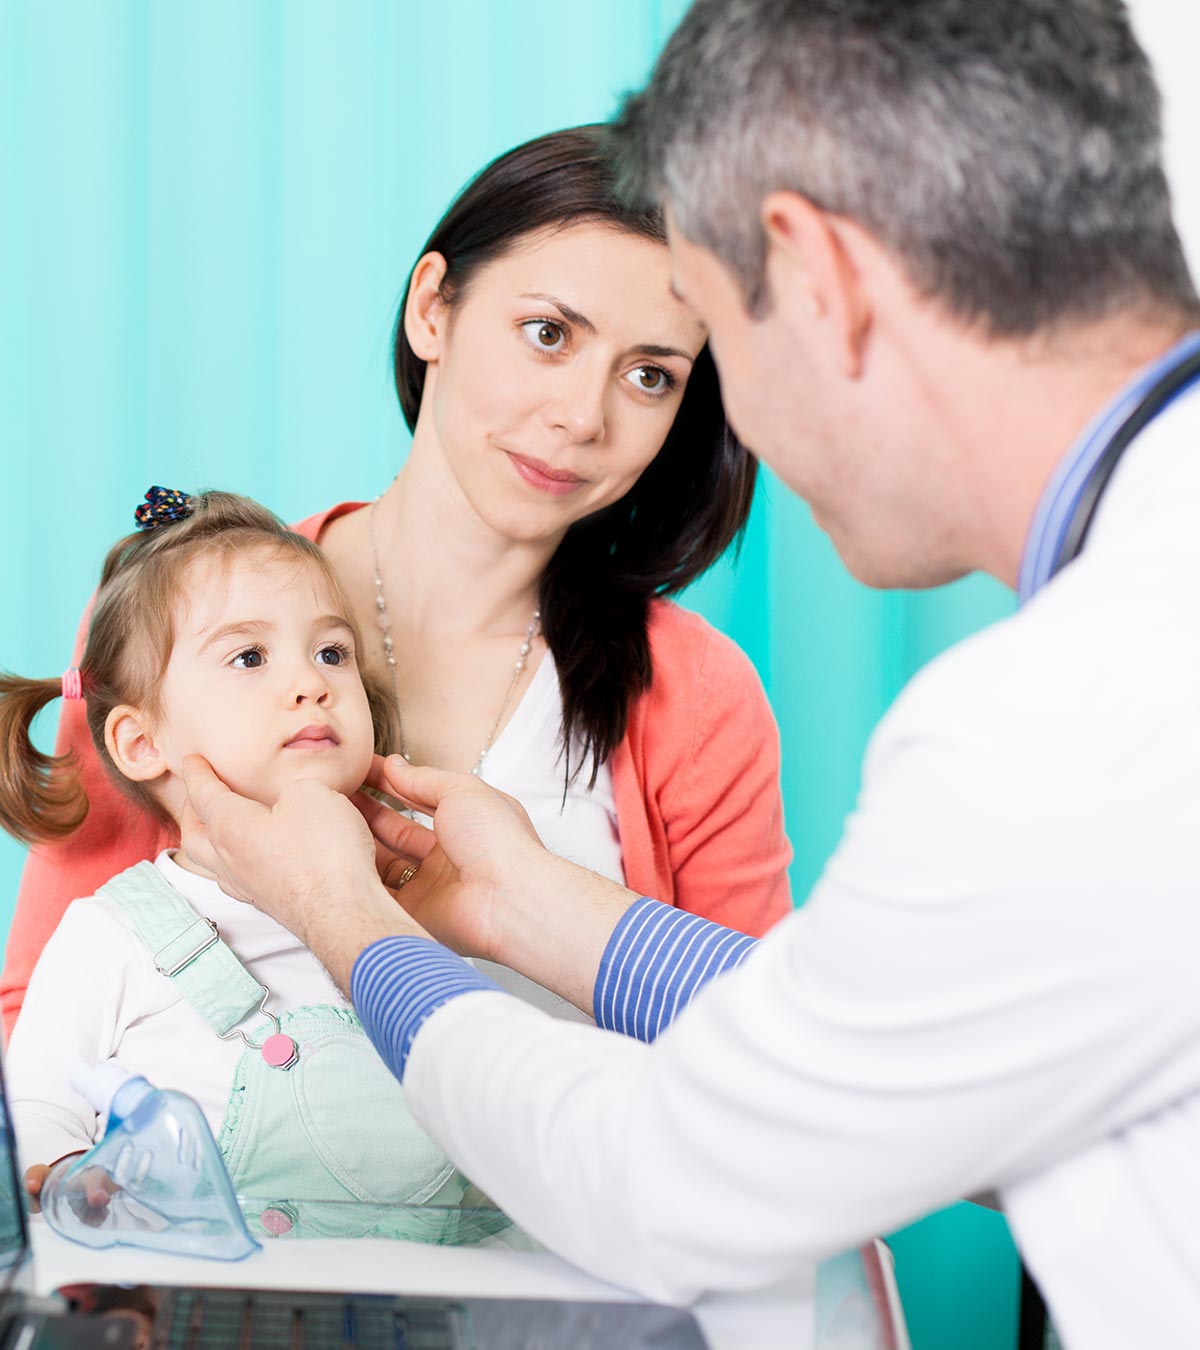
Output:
x=303 y=1143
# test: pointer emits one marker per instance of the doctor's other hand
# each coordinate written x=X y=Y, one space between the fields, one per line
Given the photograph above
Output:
x=482 y=845
x=486 y=885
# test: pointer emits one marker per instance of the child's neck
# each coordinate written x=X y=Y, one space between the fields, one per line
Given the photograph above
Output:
x=179 y=856
x=171 y=797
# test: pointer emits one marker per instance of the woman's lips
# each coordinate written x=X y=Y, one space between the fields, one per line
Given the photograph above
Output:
x=538 y=474
x=315 y=737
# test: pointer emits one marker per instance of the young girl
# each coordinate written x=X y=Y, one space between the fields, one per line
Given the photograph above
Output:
x=216 y=630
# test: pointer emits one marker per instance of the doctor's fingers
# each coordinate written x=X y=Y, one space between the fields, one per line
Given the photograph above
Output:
x=394 y=833
x=193 y=836
x=206 y=793
x=417 y=785
x=230 y=822
x=394 y=869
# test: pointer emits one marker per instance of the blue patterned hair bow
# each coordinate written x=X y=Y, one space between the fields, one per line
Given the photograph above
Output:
x=163 y=506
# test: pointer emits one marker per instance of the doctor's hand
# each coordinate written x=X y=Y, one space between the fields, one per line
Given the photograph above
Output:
x=481 y=848
x=486 y=886
x=308 y=862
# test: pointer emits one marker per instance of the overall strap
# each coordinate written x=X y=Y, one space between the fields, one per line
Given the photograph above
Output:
x=186 y=947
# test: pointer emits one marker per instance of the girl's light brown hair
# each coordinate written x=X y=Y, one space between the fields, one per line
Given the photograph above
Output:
x=129 y=641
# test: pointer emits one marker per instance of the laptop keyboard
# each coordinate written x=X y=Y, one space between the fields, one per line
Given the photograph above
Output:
x=212 y=1319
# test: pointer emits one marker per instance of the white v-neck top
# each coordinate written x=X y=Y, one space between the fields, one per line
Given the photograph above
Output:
x=526 y=762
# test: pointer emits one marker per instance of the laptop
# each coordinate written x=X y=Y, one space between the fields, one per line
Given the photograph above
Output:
x=83 y=1316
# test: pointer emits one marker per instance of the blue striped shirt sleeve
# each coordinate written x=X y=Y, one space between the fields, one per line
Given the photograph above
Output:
x=656 y=961
x=398 y=982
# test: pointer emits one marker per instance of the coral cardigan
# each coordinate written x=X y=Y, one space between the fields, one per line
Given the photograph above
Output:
x=695 y=780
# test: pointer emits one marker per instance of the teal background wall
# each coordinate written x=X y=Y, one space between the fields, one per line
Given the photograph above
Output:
x=207 y=218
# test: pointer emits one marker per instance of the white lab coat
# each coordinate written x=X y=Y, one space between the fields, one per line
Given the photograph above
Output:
x=994 y=984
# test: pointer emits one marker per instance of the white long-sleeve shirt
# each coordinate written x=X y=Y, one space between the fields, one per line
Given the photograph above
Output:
x=96 y=995
x=993 y=985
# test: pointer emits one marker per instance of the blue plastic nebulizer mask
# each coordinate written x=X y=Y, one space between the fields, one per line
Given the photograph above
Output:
x=156 y=1180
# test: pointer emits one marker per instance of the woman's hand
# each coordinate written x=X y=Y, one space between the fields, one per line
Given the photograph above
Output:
x=473 y=860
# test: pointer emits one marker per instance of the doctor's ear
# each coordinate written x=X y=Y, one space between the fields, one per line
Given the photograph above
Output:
x=426 y=313
x=813 y=268
x=129 y=738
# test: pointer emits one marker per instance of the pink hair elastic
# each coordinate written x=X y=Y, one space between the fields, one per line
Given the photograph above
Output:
x=72 y=683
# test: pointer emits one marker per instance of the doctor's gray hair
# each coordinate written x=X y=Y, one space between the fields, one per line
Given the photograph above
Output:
x=1007 y=152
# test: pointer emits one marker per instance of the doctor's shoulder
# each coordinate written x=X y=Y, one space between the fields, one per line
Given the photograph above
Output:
x=1030 y=710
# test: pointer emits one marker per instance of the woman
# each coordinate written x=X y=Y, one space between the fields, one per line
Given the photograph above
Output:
x=570 y=466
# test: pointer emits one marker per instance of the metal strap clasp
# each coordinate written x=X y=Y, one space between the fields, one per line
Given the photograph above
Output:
x=205 y=943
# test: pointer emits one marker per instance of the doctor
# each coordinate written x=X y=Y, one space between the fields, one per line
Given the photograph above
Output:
x=933 y=246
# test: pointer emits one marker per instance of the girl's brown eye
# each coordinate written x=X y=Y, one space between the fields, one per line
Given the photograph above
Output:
x=548 y=335
x=649 y=377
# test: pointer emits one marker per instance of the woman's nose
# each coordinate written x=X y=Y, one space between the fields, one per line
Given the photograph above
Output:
x=580 y=407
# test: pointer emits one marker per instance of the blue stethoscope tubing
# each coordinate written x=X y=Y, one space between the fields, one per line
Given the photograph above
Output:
x=1156 y=400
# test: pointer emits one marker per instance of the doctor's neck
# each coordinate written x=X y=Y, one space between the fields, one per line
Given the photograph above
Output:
x=1016 y=406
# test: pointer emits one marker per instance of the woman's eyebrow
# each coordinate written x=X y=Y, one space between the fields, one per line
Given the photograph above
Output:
x=571 y=315
x=582 y=321
x=649 y=349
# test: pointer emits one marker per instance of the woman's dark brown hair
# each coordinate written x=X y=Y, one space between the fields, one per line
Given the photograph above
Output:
x=683 y=512
x=129 y=641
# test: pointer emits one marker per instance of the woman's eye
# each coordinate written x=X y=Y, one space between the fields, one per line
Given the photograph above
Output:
x=545 y=335
x=250 y=659
x=333 y=655
x=651 y=379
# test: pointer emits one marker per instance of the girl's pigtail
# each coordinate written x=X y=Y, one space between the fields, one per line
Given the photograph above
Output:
x=40 y=795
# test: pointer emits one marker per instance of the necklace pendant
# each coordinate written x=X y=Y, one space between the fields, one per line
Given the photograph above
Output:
x=280 y=1051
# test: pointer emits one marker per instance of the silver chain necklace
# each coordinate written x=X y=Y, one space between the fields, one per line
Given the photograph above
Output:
x=385 y=625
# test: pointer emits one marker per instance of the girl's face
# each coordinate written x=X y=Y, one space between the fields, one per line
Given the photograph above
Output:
x=262 y=681
x=553 y=380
